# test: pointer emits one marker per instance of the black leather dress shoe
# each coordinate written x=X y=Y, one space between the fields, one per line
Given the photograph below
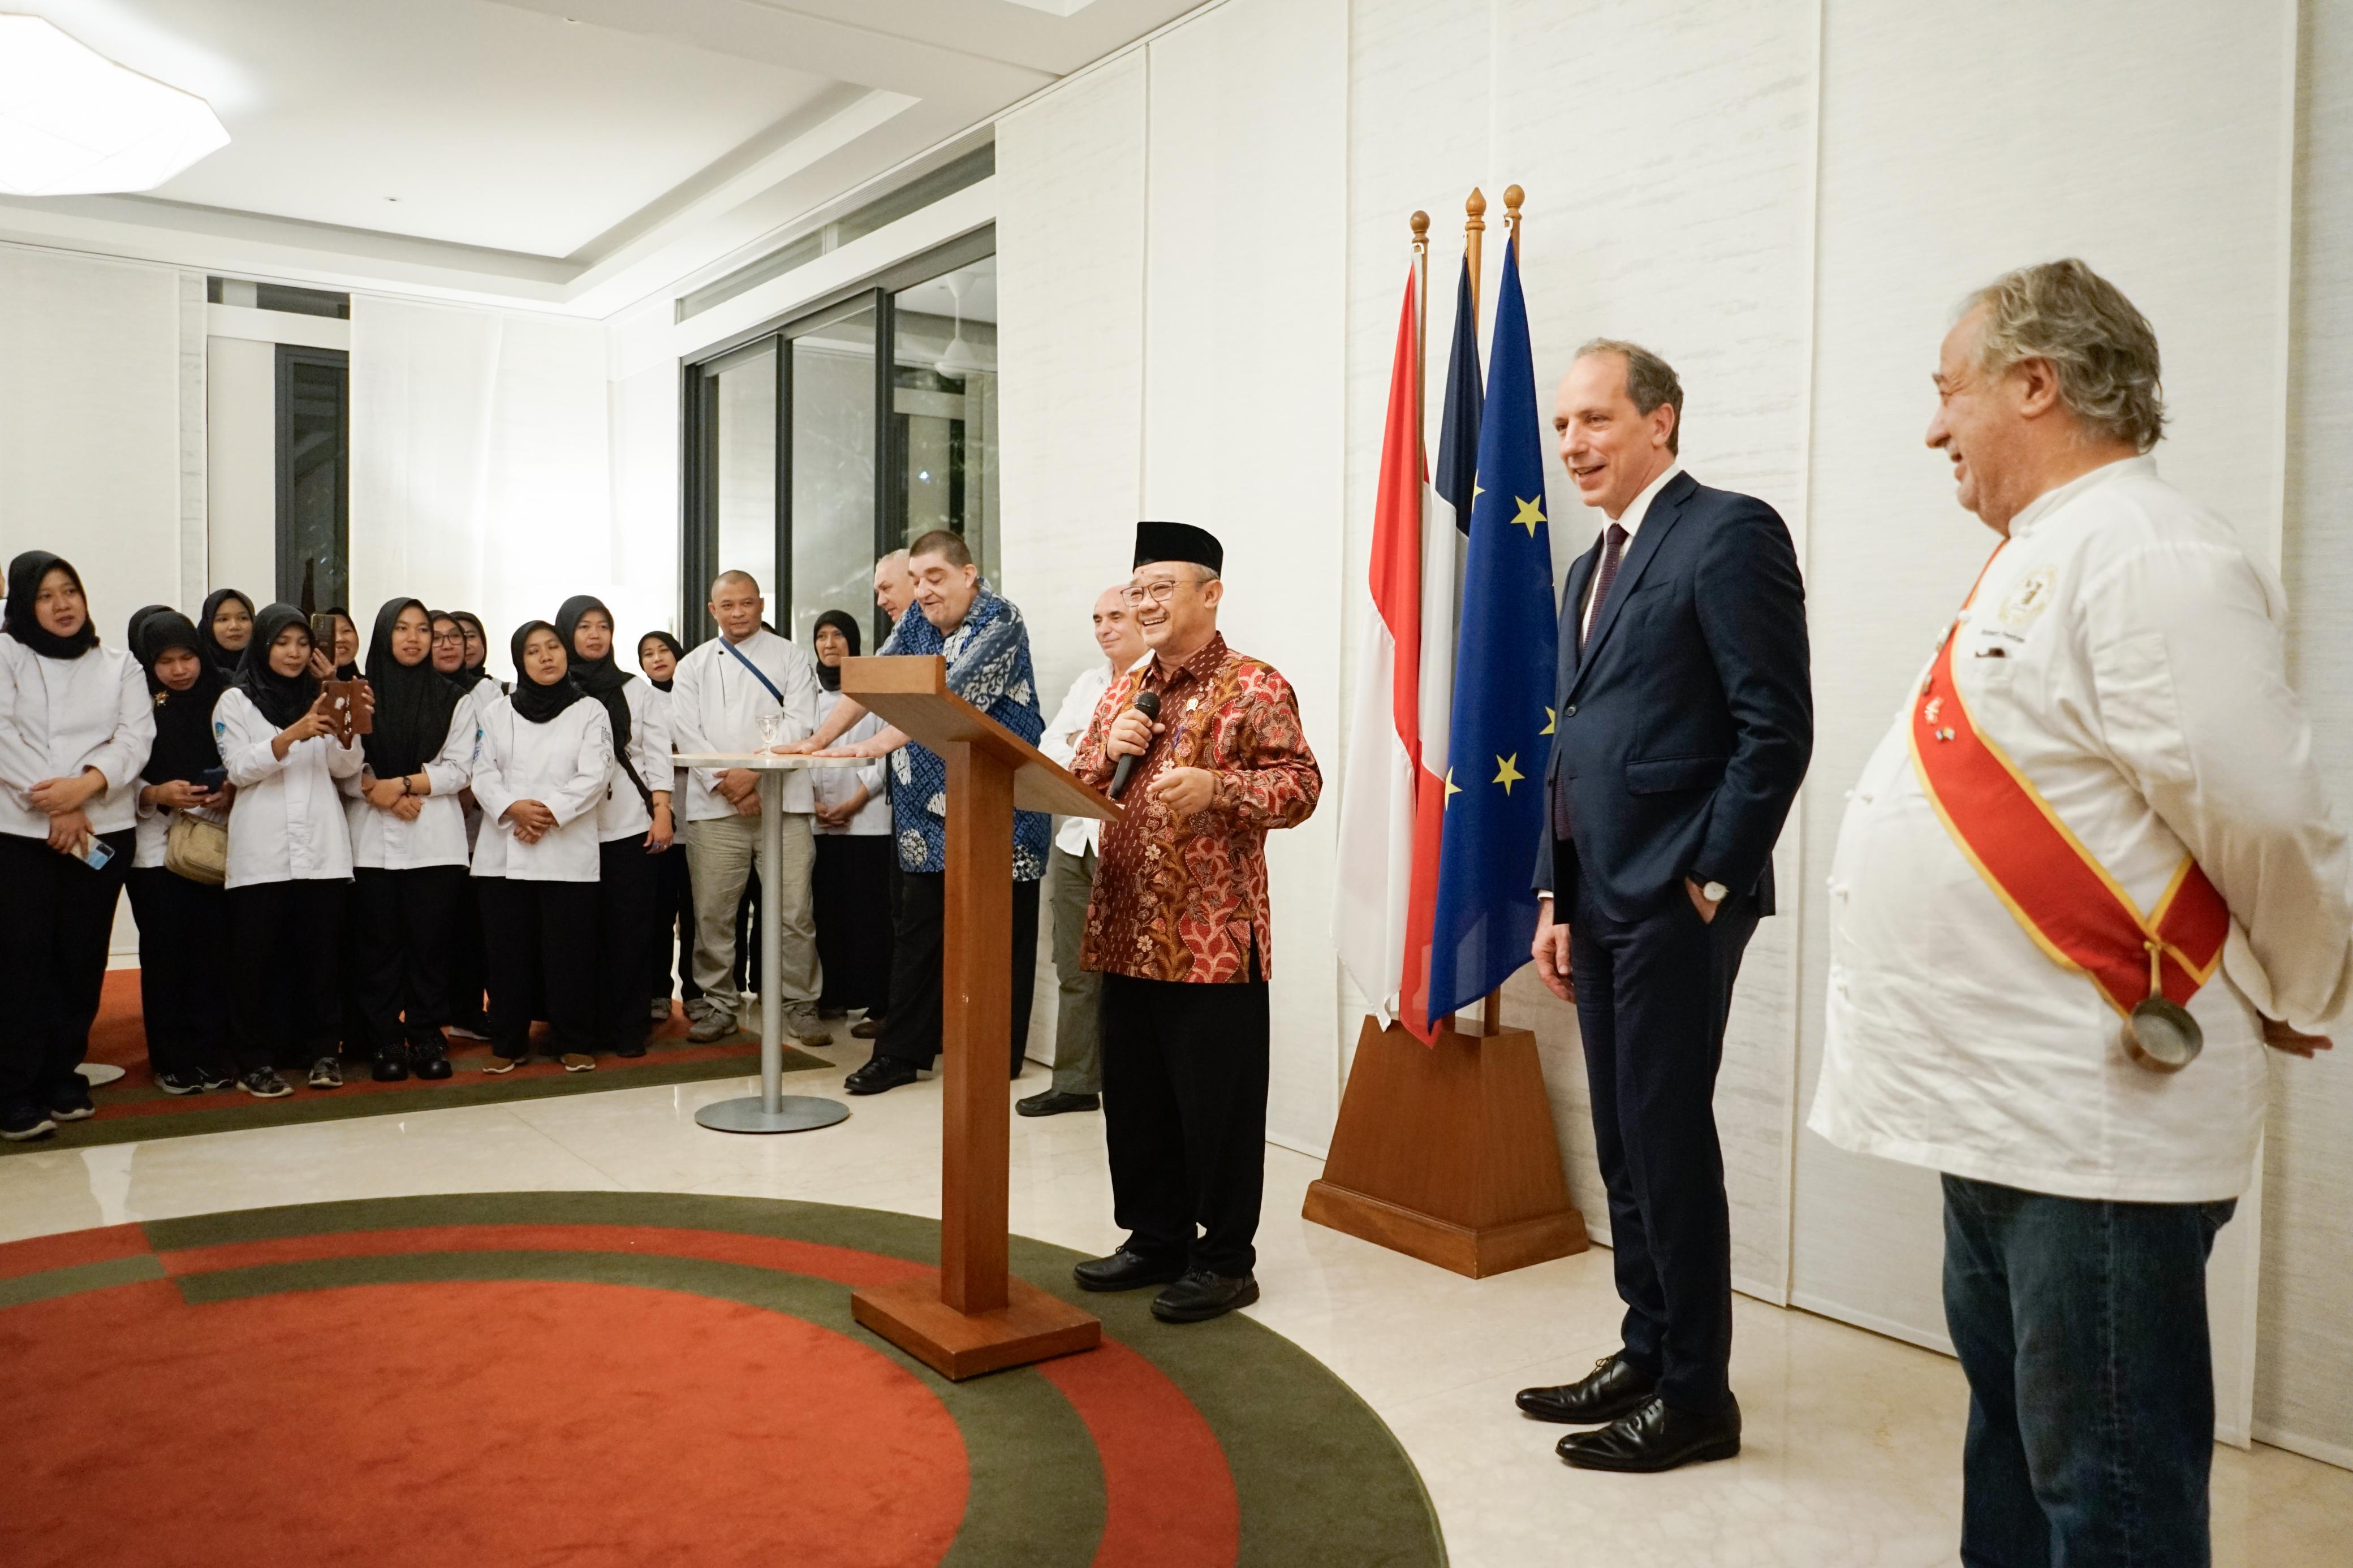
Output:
x=1201 y=1294
x=881 y=1073
x=1054 y=1102
x=391 y=1064
x=1658 y=1436
x=1610 y=1390
x=1124 y=1270
x=430 y=1059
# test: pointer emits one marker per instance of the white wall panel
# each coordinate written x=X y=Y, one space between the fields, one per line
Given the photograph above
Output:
x=1958 y=141
x=242 y=467
x=1244 y=420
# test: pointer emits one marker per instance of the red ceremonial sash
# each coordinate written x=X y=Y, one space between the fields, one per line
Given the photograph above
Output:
x=2043 y=874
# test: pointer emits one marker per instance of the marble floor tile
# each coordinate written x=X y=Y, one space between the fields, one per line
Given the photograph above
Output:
x=1851 y=1455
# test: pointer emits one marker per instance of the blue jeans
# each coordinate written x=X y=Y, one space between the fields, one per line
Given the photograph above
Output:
x=2082 y=1326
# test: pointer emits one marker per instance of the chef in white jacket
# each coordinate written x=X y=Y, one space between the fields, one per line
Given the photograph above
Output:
x=673 y=925
x=633 y=823
x=2098 y=803
x=469 y=970
x=721 y=693
x=546 y=760
x=408 y=847
x=856 y=853
x=290 y=856
x=75 y=725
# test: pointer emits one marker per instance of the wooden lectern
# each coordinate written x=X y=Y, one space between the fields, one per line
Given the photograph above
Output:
x=974 y=1317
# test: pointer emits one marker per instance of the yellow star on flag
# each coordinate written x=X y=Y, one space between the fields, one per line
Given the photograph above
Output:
x=1477 y=489
x=1452 y=789
x=1552 y=721
x=1530 y=513
x=1506 y=773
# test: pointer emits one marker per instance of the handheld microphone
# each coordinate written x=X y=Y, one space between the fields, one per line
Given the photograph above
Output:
x=1148 y=704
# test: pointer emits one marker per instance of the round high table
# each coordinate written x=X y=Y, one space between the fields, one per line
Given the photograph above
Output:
x=771 y=1110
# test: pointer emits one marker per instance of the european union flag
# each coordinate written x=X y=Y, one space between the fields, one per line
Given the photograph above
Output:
x=1503 y=661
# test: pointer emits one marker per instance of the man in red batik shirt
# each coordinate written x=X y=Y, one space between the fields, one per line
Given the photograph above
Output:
x=1178 y=928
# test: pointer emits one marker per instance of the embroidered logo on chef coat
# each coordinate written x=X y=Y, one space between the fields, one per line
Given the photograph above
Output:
x=2025 y=604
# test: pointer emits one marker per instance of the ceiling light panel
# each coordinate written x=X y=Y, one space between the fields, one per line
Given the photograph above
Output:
x=73 y=122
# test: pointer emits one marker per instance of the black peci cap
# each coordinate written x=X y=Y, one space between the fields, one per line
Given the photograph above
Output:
x=1179 y=542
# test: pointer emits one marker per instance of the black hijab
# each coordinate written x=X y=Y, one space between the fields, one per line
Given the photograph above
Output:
x=184 y=720
x=413 y=701
x=345 y=671
x=532 y=700
x=25 y=576
x=282 y=699
x=676 y=653
x=471 y=675
x=828 y=675
x=601 y=679
x=222 y=658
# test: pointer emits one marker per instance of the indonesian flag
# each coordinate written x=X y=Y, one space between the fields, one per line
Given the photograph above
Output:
x=1379 y=791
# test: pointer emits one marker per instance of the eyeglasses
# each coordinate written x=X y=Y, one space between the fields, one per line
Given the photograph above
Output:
x=1159 y=591
x=453 y=639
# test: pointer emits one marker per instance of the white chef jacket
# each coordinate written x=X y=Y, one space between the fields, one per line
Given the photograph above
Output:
x=381 y=841
x=622 y=813
x=562 y=765
x=152 y=832
x=2126 y=651
x=1077 y=835
x=287 y=822
x=827 y=785
x=664 y=705
x=716 y=703
x=59 y=716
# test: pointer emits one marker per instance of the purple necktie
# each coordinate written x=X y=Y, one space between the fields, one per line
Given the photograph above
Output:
x=1613 y=550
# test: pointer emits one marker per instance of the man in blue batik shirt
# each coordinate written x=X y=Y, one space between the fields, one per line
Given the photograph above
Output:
x=987 y=645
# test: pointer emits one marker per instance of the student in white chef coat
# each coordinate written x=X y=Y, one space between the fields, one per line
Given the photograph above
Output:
x=183 y=980
x=633 y=822
x=673 y=932
x=469 y=968
x=2103 y=769
x=408 y=847
x=545 y=759
x=75 y=726
x=851 y=886
x=289 y=858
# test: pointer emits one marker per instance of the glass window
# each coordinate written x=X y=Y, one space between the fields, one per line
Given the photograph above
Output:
x=833 y=467
x=944 y=472
x=743 y=405
x=313 y=476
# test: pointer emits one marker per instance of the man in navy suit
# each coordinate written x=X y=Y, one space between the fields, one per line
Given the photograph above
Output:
x=1684 y=724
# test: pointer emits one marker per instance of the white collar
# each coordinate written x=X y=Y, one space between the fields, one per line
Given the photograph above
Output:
x=1632 y=521
x=2049 y=502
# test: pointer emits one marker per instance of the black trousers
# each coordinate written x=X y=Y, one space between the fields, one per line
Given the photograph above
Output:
x=673 y=926
x=1652 y=998
x=625 y=914
x=53 y=942
x=849 y=888
x=542 y=949
x=1183 y=1099
x=469 y=964
x=911 y=1032
x=286 y=972
x=404 y=924
x=182 y=989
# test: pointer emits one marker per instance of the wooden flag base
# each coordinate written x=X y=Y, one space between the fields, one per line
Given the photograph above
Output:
x=1031 y=1326
x=1446 y=1153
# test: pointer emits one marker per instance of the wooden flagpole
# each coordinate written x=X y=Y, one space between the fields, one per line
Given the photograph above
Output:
x=1513 y=197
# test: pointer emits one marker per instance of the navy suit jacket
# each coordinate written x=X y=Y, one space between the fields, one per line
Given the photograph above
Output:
x=1684 y=730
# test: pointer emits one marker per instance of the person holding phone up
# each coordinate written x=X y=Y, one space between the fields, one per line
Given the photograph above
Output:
x=75 y=729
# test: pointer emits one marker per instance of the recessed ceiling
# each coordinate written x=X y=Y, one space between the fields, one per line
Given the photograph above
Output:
x=575 y=155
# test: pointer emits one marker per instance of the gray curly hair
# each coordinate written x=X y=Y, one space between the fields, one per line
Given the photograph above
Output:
x=2102 y=348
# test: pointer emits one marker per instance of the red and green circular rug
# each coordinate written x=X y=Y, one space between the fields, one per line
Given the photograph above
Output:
x=592 y=1378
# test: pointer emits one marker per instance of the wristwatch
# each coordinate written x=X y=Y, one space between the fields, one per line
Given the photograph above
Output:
x=1714 y=892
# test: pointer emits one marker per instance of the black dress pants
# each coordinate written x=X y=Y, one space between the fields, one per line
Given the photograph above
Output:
x=624 y=913
x=850 y=892
x=469 y=964
x=405 y=922
x=286 y=972
x=542 y=949
x=911 y=1032
x=1652 y=998
x=1183 y=1099
x=182 y=989
x=53 y=941
x=673 y=925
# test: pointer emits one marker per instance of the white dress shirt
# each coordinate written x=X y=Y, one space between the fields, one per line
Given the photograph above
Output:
x=1076 y=835
x=715 y=707
x=565 y=765
x=624 y=813
x=381 y=841
x=287 y=822
x=664 y=706
x=1632 y=522
x=2126 y=652
x=59 y=716
x=830 y=786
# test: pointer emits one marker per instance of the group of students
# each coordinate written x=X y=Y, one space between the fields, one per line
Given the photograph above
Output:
x=307 y=889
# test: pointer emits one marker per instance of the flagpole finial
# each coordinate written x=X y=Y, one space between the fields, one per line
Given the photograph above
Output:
x=1475 y=233
x=1422 y=231
x=1476 y=210
x=1513 y=197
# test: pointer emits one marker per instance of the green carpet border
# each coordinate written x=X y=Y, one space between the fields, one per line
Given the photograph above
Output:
x=1278 y=1413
